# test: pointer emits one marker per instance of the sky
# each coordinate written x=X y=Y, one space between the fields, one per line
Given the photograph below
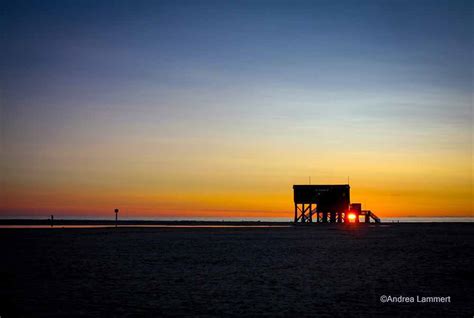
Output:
x=216 y=108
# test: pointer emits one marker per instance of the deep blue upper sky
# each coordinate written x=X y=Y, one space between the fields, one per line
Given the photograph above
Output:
x=326 y=43
x=239 y=59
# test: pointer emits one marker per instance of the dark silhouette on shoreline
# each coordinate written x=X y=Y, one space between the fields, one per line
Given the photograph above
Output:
x=328 y=204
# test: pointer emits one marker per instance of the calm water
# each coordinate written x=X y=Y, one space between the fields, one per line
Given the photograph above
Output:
x=134 y=225
x=428 y=219
x=384 y=220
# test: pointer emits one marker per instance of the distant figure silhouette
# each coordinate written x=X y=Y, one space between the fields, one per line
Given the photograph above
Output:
x=52 y=220
x=116 y=216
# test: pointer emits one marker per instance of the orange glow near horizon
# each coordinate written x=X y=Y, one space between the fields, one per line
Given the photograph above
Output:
x=256 y=185
x=230 y=200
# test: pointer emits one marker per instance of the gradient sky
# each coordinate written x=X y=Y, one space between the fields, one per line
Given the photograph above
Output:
x=215 y=109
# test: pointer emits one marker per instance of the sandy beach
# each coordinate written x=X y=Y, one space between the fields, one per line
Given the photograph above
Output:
x=325 y=270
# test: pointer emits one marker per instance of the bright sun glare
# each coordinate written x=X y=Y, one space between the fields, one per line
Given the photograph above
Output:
x=351 y=216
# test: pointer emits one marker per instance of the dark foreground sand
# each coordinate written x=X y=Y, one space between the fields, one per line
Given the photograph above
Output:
x=324 y=270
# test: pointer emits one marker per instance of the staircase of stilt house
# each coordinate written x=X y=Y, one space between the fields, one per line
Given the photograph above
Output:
x=371 y=214
x=374 y=217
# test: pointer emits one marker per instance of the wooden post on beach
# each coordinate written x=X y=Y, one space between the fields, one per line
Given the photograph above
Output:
x=296 y=213
x=116 y=216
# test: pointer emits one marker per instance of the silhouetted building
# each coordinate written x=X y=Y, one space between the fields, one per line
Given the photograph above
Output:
x=327 y=204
